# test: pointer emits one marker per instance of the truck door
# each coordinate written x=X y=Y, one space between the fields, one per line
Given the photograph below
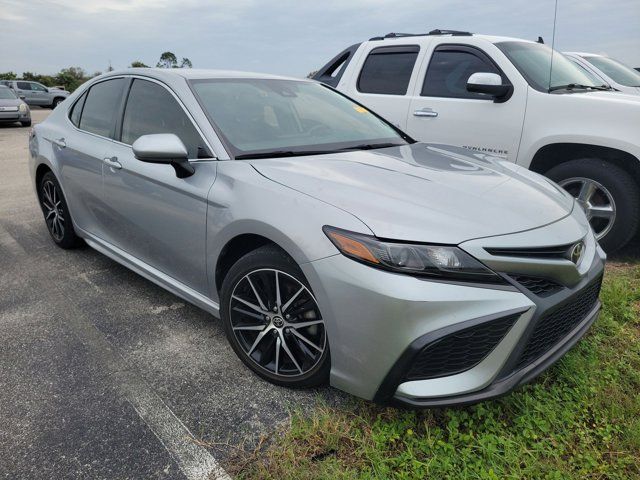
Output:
x=443 y=111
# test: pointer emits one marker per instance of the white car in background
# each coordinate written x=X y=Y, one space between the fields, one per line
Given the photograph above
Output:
x=615 y=73
x=494 y=95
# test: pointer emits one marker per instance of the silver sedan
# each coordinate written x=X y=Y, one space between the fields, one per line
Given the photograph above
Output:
x=13 y=109
x=332 y=246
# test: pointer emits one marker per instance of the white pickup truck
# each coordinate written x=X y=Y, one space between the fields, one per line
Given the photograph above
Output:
x=495 y=95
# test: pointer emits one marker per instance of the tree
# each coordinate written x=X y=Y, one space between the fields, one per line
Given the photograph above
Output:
x=138 y=64
x=167 y=60
x=8 y=76
x=186 y=63
x=71 y=78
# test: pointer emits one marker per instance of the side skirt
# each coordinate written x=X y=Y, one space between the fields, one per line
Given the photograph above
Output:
x=150 y=273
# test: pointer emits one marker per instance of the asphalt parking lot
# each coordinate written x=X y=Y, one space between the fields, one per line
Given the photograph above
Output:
x=102 y=373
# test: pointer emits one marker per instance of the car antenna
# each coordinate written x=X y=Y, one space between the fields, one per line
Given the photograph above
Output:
x=553 y=42
x=540 y=40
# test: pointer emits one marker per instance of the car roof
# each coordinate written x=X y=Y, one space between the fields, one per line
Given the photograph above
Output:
x=195 y=73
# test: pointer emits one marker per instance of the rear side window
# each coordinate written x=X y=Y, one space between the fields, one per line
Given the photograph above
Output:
x=152 y=109
x=387 y=70
x=101 y=107
x=76 y=111
x=449 y=70
x=23 y=85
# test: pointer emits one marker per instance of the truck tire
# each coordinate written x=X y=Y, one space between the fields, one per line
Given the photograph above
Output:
x=608 y=194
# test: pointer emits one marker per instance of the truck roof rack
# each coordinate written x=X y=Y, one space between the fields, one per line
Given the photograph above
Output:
x=437 y=31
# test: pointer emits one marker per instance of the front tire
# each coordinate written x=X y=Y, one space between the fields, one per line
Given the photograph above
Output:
x=607 y=193
x=26 y=123
x=56 y=102
x=273 y=321
x=56 y=213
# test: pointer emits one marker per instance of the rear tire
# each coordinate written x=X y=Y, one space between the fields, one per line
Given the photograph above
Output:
x=264 y=334
x=610 y=185
x=56 y=213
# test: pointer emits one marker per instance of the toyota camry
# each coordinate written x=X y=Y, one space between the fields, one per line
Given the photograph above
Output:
x=332 y=246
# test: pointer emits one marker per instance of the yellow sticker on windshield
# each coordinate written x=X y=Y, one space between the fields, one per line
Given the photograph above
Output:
x=360 y=109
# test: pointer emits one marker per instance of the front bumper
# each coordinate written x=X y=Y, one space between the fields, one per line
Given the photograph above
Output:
x=378 y=321
x=14 y=116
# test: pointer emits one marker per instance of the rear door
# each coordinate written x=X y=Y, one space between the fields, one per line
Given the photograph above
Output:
x=385 y=75
x=81 y=148
x=151 y=213
x=23 y=89
x=443 y=111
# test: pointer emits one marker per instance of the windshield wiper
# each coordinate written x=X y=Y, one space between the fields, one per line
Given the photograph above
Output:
x=370 y=146
x=573 y=86
x=281 y=153
x=300 y=153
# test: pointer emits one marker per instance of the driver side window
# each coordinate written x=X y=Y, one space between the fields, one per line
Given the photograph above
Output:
x=152 y=109
x=38 y=88
x=449 y=70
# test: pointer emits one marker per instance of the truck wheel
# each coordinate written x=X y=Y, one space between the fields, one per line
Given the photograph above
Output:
x=26 y=123
x=56 y=102
x=609 y=196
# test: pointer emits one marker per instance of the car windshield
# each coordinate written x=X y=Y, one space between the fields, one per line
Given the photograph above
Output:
x=270 y=117
x=6 y=93
x=533 y=60
x=619 y=72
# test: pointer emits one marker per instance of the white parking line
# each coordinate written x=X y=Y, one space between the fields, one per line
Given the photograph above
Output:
x=193 y=460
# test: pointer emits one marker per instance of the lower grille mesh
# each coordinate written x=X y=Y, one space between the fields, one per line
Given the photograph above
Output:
x=459 y=351
x=552 y=327
x=537 y=285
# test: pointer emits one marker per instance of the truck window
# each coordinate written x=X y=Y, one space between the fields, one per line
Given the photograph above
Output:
x=387 y=70
x=449 y=70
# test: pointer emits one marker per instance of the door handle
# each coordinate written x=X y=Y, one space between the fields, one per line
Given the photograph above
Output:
x=425 y=112
x=113 y=162
x=59 y=142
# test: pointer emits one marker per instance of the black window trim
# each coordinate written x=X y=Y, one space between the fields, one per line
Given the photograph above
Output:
x=332 y=72
x=408 y=48
x=86 y=92
x=472 y=49
x=117 y=128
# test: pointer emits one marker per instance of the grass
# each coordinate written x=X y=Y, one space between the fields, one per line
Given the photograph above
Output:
x=581 y=420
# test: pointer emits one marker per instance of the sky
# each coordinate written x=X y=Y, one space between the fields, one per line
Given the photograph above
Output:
x=287 y=37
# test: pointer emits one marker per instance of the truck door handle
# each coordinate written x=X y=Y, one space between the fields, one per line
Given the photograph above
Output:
x=59 y=142
x=113 y=163
x=425 y=112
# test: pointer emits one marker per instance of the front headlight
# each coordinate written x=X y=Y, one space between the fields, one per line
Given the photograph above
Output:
x=23 y=108
x=438 y=261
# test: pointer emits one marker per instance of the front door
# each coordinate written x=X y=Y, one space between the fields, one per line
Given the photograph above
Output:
x=150 y=213
x=443 y=111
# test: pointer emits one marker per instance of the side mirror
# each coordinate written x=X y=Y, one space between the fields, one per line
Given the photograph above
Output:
x=489 y=84
x=164 y=148
x=22 y=97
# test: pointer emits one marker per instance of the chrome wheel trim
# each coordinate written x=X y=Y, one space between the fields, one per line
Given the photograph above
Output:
x=277 y=323
x=596 y=201
x=51 y=202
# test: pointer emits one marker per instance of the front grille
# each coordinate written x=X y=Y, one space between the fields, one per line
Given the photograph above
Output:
x=537 y=285
x=554 y=326
x=557 y=252
x=459 y=351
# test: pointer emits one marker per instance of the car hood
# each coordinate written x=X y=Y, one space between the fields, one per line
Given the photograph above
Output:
x=10 y=102
x=425 y=193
